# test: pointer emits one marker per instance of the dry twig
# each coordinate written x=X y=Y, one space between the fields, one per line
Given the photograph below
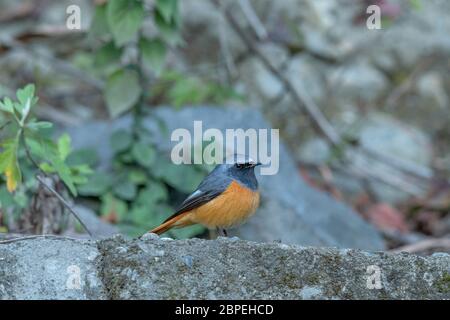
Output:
x=424 y=245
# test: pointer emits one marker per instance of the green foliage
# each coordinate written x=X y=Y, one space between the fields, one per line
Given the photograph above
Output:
x=118 y=24
x=179 y=89
x=25 y=142
x=122 y=91
x=137 y=193
x=125 y=18
x=153 y=54
x=29 y=134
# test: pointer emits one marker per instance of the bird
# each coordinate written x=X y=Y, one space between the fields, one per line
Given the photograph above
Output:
x=225 y=198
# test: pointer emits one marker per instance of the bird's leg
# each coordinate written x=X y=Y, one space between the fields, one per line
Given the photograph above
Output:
x=221 y=232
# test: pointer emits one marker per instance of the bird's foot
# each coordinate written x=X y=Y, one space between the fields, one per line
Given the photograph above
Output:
x=221 y=232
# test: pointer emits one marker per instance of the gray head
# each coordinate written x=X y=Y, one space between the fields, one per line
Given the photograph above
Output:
x=240 y=168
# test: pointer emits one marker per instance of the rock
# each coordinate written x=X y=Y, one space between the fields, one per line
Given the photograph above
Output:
x=428 y=105
x=99 y=228
x=385 y=135
x=50 y=269
x=357 y=82
x=262 y=86
x=309 y=216
x=203 y=26
x=116 y=268
x=306 y=75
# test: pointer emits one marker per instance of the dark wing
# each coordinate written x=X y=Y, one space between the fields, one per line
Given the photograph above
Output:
x=209 y=189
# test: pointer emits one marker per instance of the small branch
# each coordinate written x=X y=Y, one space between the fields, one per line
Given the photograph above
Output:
x=49 y=188
x=424 y=245
x=253 y=19
x=64 y=202
x=4 y=125
x=44 y=236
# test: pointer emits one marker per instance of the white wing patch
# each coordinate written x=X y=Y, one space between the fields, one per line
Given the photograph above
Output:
x=194 y=194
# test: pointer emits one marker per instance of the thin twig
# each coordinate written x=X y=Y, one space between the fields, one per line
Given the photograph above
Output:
x=44 y=236
x=49 y=188
x=424 y=245
x=4 y=125
x=253 y=19
x=64 y=202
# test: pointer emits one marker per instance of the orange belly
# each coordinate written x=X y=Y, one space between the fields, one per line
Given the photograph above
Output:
x=232 y=207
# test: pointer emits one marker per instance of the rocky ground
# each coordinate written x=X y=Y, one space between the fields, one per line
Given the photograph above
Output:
x=226 y=268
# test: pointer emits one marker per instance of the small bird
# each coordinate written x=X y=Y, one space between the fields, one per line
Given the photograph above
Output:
x=225 y=198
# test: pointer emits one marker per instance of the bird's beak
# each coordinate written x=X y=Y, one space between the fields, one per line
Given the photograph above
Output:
x=257 y=164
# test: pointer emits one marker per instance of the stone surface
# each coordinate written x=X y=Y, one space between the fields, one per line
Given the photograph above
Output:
x=291 y=211
x=48 y=268
x=99 y=228
x=226 y=268
x=385 y=135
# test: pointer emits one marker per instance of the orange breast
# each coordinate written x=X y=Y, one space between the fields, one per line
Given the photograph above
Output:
x=231 y=208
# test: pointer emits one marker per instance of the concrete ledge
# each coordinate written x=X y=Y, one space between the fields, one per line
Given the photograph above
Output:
x=158 y=268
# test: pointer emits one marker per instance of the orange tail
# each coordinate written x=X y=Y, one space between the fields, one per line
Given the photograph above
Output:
x=171 y=223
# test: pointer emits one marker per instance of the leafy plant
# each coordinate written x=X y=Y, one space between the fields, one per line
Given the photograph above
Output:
x=137 y=192
x=25 y=141
x=178 y=89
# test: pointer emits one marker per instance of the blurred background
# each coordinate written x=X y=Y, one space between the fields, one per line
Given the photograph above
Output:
x=362 y=108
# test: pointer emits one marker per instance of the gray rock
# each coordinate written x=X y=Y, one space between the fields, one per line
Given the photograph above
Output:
x=214 y=269
x=305 y=216
x=49 y=269
x=261 y=85
x=386 y=135
x=99 y=228
x=358 y=81
x=306 y=75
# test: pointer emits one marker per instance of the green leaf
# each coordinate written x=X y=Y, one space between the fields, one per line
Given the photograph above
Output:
x=153 y=54
x=25 y=93
x=98 y=184
x=137 y=176
x=147 y=217
x=107 y=58
x=99 y=26
x=125 y=18
x=87 y=156
x=113 y=208
x=153 y=193
x=122 y=91
x=6 y=198
x=82 y=169
x=120 y=140
x=9 y=164
x=41 y=147
x=184 y=178
x=7 y=105
x=37 y=125
x=187 y=232
x=168 y=30
x=125 y=190
x=64 y=146
x=65 y=174
x=167 y=9
x=144 y=154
